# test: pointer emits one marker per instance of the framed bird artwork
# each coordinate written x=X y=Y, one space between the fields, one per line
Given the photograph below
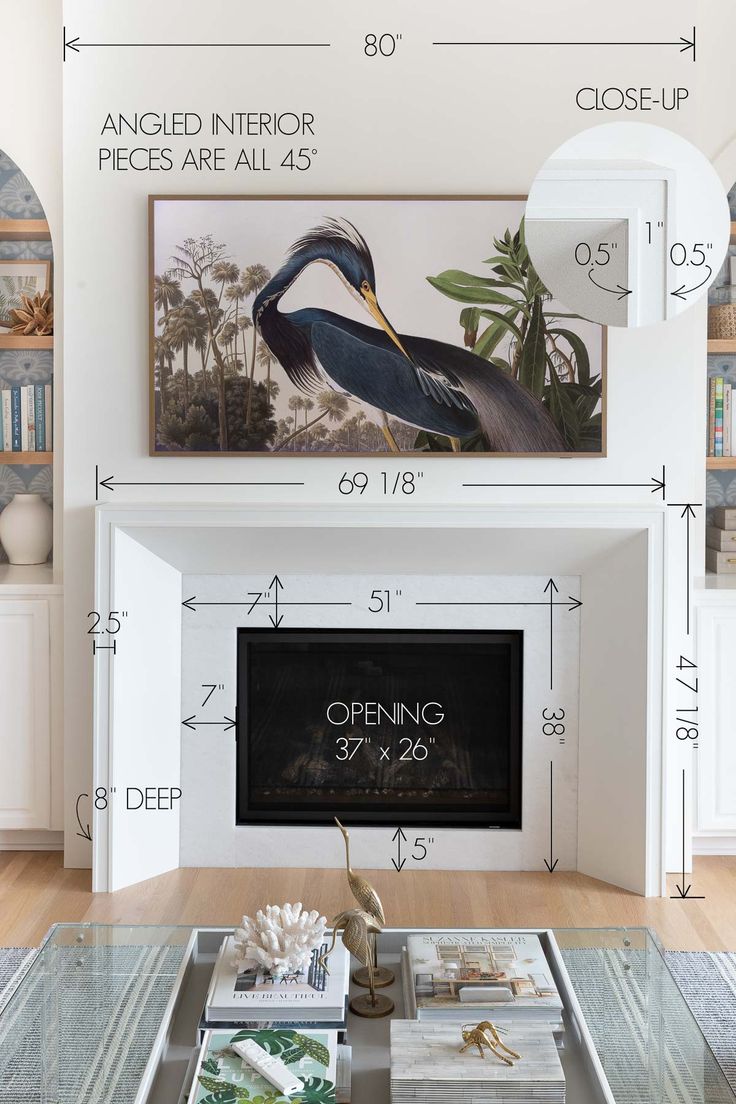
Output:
x=324 y=325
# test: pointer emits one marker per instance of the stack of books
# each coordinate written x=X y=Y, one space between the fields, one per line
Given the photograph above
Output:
x=426 y=1066
x=720 y=541
x=314 y=997
x=26 y=422
x=721 y=429
x=314 y=1057
x=479 y=975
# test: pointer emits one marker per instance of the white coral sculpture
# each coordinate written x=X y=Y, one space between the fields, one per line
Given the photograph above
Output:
x=280 y=939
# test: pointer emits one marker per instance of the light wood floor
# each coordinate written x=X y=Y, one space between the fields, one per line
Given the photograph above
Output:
x=36 y=891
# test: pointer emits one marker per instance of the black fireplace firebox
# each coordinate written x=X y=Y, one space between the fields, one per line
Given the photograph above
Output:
x=400 y=727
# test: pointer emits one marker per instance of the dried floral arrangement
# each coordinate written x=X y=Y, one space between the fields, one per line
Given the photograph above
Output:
x=33 y=318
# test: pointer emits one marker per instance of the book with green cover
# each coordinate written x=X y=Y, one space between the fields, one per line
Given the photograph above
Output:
x=222 y=1077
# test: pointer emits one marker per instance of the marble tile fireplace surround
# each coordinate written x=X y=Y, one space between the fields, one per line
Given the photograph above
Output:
x=187 y=578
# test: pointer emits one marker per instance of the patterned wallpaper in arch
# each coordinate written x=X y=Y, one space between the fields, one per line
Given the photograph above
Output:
x=19 y=201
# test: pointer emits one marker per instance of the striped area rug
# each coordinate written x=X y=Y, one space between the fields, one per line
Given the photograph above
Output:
x=708 y=983
x=98 y=1010
x=14 y=961
x=649 y=1046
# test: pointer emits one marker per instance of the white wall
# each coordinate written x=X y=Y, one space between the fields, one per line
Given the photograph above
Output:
x=30 y=99
x=208 y=755
x=426 y=120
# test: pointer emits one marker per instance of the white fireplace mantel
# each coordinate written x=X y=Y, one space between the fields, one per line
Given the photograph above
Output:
x=144 y=551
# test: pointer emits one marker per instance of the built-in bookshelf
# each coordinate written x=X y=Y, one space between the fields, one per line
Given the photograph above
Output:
x=722 y=347
x=23 y=230
x=18 y=341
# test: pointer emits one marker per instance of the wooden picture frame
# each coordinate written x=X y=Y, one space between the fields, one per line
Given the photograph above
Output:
x=31 y=277
x=184 y=409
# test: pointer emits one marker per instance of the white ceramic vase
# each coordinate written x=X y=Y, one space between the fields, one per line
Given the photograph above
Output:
x=26 y=529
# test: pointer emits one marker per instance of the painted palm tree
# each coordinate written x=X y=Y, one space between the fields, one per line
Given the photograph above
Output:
x=200 y=260
x=234 y=295
x=227 y=338
x=167 y=292
x=163 y=356
x=331 y=404
x=244 y=324
x=296 y=403
x=202 y=346
x=225 y=273
x=254 y=279
x=183 y=325
x=207 y=302
x=308 y=405
x=265 y=359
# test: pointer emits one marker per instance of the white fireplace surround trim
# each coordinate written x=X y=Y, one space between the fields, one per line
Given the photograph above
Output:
x=143 y=550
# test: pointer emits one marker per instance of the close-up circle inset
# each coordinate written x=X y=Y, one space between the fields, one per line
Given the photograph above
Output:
x=627 y=224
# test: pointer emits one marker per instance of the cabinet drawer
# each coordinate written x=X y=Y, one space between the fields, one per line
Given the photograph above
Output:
x=25 y=731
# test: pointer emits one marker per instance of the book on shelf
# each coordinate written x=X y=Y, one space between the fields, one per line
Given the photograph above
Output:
x=253 y=996
x=721 y=412
x=314 y=1057
x=496 y=975
x=26 y=418
x=427 y=1065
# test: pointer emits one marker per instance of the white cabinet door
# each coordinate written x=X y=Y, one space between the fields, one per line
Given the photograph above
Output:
x=716 y=773
x=25 y=759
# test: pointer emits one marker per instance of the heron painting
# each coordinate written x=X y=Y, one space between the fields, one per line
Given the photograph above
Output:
x=314 y=326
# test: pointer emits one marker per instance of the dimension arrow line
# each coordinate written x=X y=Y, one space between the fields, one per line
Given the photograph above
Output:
x=274 y=617
x=687 y=513
x=683 y=891
x=110 y=483
x=398 y=836
x=654 y=484
x=553 y=589
x=552 y=861
x=84 y=833
x=194 y=724
x=192 y=604
x=619 y=291
x=571 y=604
x=682 y=292
x=74 y=45
x=682 y=43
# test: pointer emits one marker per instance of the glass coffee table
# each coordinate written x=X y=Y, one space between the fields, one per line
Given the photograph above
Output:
x=109 y=1015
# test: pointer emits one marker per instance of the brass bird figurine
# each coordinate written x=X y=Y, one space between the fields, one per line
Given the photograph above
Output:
x=360 y=887
x=359 y=930
x=357 y=927
x=371 y=975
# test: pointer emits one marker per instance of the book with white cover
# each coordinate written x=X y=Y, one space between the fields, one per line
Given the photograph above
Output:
x=254 y=996
x=497 y=975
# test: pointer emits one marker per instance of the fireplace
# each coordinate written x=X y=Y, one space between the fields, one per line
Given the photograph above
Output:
x=379 y=727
